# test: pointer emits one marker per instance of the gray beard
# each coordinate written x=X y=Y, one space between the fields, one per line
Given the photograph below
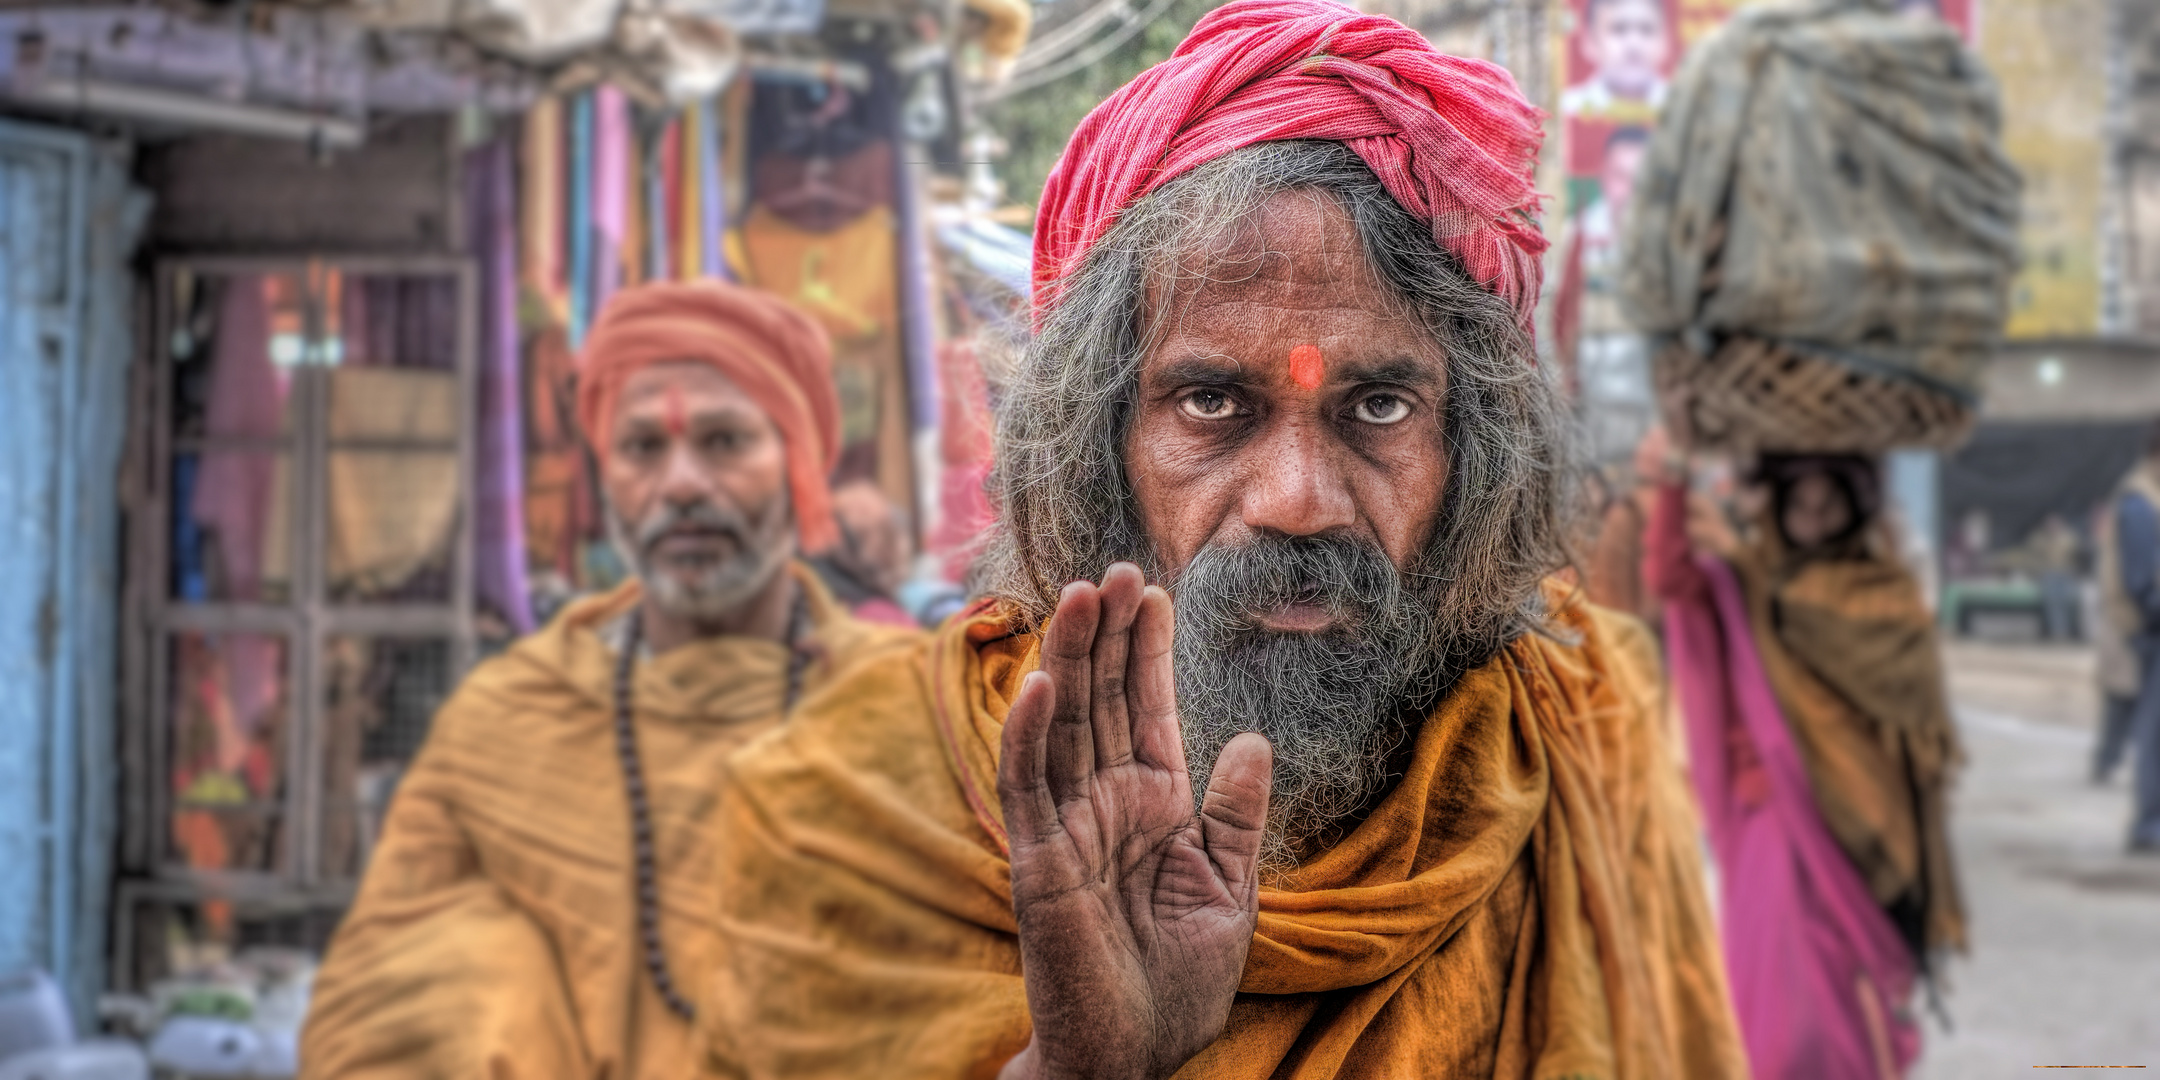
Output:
x=721 y=588
x=1337 y=705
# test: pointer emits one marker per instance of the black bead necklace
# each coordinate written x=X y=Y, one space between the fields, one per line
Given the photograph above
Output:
x=648 y=879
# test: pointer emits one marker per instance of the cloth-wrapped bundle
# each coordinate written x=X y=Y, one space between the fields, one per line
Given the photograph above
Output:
x=1826 y=223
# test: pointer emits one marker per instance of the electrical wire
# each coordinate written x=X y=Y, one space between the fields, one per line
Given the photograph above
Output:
x=1020 y=83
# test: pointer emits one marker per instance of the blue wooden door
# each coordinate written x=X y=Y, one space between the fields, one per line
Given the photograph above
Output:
x=67 y=223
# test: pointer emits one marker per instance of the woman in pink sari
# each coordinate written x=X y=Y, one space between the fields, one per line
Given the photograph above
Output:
x=1820 y=742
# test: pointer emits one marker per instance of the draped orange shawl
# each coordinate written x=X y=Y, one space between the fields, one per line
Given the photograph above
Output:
x=495 y=934
x=1527 y=901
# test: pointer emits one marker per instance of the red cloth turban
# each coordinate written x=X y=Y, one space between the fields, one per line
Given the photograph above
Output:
x=1451 y=138
x=772 y=352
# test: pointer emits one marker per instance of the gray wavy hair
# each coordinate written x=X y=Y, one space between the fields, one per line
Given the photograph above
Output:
x=1065 y=506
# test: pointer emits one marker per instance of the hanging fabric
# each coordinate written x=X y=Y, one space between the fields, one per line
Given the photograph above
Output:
x=667 y=201
x=690 y=213
x=637 y=177
x=541 y=220
x=499 y=519
x=659 y=237
x=712 y=202
x=580 y=216
x=611 y=189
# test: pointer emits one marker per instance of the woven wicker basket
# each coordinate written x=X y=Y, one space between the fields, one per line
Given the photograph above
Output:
x=1752 y=395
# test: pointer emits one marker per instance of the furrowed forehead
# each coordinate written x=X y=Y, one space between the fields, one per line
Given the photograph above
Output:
x=1249 y=254
x=680 y=378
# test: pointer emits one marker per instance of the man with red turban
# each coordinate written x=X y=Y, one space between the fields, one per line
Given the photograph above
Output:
x=540 y=901
x=1387 y=802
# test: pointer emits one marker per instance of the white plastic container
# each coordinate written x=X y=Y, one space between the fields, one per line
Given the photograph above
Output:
x=95 y=1059
x=33 y=1014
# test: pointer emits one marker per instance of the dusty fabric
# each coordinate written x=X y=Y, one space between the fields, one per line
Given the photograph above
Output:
x=495 y=932
x=1527 y=902
x=1849 y=648
x=770 y=351
x=1830 y=175
x=1451 y=138
x=847 y=278
x=391 y=512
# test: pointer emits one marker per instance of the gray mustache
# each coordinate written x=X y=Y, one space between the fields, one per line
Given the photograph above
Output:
x=704 y=516
x=1229 y=584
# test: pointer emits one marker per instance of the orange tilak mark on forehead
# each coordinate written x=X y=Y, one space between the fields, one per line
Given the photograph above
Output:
x=1307 y=367
x=677 y=416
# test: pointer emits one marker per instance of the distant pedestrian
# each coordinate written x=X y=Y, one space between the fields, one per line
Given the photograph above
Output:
x=2132 y=585
x=1615 y=571
x=2114 y=635
x=1821 y=744
x=2055 y=555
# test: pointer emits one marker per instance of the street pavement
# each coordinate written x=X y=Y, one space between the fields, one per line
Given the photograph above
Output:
x=2065 y=926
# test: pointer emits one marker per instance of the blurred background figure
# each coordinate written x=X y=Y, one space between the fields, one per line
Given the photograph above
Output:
x=524 y=912
x=2056 y=548
x=2130 y=588
x=1615 y=572
x=1822 y=746
x=867 y=567
x=2117 y=672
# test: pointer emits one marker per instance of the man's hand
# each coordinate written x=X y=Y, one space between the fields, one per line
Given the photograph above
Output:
x=1135 y=914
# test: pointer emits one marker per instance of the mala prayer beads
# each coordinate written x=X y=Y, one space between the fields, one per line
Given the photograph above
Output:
x=641 y=829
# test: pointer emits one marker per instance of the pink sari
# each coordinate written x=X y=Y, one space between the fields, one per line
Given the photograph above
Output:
x=1818 y=971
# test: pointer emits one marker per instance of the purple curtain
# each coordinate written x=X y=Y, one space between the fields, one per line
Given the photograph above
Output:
x=499 y=494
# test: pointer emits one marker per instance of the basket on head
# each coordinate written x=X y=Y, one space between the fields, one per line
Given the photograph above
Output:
x=1751 y=395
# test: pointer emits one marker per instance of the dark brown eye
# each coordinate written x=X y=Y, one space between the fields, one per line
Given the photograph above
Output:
x=1382 y=408
x=642 y=446
x=1207 y=405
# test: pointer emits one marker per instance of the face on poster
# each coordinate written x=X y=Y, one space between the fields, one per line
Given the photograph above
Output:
x=1619 y=62
x=1619 y=59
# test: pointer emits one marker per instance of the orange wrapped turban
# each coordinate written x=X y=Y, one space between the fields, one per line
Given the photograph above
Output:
x=772 y=352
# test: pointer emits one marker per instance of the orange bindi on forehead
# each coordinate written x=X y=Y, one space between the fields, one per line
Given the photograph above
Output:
x=677 y=414
x=1308 y=369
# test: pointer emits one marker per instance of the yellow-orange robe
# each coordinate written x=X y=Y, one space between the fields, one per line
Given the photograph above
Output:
x=495 y=933
x=1527 y=901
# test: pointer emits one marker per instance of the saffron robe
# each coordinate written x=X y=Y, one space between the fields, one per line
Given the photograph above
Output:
x=1527 y=901
x=495 y=933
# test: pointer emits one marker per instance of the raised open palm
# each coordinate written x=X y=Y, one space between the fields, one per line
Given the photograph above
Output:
x=1135 y=914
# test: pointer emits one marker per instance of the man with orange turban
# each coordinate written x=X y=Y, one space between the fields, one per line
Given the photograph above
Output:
x=1387 y=803
x=541 y=896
